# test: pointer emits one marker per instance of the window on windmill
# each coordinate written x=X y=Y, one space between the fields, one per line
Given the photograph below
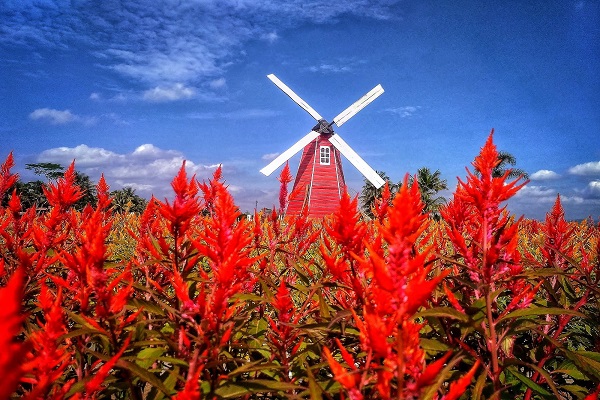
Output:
x=325 y=155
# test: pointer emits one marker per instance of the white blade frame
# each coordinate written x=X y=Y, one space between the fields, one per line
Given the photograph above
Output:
x=294 y=97
x=289 y=153
x=361 y=103
x=357 y=161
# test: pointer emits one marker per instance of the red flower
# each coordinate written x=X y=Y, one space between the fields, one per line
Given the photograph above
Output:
x=64 y=193
x=13 y=352
x=94 y=384
x=7 y=180
x=349 y=380
x=458 y=388
x=284 y=178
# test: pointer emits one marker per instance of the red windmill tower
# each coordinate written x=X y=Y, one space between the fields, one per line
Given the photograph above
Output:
x=320 y=181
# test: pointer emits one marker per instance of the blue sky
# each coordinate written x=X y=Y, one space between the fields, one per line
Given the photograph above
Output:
x=132 y=88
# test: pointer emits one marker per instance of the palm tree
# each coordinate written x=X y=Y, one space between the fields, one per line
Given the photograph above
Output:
x=505 y=159
x=429 y=186
x=369 y=193
x=126 y=200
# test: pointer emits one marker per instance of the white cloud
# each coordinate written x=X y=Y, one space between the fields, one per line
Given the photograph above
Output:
x=270 y=37
x=329 y=68
x=572 y=200
x=148 y=169
x=593 y=189
x=403 y=112
x=543 y=175
x=270 y=156
x=590 y=168
x=220 y=83
x=60 y=117
x=178 y=91
x=537 y=194
x=161 y=43
x=55 y=117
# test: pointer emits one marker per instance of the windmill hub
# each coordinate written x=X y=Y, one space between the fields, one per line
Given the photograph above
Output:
x=323 y=127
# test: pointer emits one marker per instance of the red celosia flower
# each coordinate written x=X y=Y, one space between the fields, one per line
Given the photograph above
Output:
x=284 y=178
x=382 y=205
x=94 y=384
x=432 y=371
x=191 y=390
x=452 y=299
x=349 y=380
x=7 y=180
x=557 y=235
x=458 y=388
x=64 y=193
x=48 y=359
x=13 y=352
x=184 y=207
x=594 y=394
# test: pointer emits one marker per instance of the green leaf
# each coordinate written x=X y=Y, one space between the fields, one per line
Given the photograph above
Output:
x=541 y=371
x=479 y=385
x=169 y=383
x=434 y=345
x=148 y=356
x=314 y=389
x=568 y=367
x=85 y=324
x=538 y=311
x=529 y=383
x=440 y=312
x=252 y=367
x=232 y=390
x=323 y=306
x=136 y=370
x=587 y=361
x=149 y=306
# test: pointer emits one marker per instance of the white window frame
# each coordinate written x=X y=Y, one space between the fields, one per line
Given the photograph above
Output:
x=325 y=155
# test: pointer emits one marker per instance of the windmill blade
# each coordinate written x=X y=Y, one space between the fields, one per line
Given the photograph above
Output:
x=286 y=155
x=294 y=97
x=358 y=105
x=357 y=161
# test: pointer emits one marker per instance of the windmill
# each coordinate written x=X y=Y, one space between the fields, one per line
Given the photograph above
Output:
x=320 y=181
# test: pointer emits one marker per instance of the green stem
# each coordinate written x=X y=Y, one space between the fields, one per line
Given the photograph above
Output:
x=493 y=339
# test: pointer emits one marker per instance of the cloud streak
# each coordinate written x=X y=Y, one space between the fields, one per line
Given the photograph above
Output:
x=590 y=168
x=543 y=175
x=55 y=117
x=403 y=112
x=177 y=91
x=59 y=117
x=162 y=44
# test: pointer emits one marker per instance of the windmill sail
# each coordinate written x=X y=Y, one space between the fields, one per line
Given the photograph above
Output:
x=358 y=105
x=357 y=161
x=294 y=97
x=289 y=153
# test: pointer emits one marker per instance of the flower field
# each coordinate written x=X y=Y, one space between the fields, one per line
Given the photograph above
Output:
x=190 y=301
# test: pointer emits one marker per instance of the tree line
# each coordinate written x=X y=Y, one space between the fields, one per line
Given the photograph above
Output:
x=431 y=183
x=32 y=193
